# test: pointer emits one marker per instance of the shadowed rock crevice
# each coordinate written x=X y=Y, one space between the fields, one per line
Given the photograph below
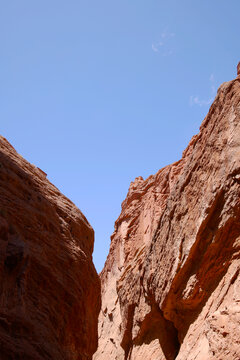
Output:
x=126 y=343
x=155 y=326
x=207 y=264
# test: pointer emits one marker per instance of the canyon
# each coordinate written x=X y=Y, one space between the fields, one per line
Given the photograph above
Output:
x=171 y=284
x=170 y=287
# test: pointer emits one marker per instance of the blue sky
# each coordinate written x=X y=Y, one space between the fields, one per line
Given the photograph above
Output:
x=96 y=93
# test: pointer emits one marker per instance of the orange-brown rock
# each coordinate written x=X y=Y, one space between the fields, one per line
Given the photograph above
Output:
x=49 y=289
x=171 y=284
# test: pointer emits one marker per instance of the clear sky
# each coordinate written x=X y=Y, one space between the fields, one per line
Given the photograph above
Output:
x=96 y=93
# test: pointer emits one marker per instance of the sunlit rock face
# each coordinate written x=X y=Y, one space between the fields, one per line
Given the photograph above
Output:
x=171 y=285
x=49 y=289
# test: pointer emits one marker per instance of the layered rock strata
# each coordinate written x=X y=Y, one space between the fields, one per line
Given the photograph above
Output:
x=49 y=289
x=171 y=284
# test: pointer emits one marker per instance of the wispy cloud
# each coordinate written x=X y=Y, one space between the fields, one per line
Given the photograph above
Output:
x=163 y=45
x=196 y=100
x=155 y=47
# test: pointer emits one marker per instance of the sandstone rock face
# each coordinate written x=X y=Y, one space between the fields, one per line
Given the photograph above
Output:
x=171 y=284
x=49 y=289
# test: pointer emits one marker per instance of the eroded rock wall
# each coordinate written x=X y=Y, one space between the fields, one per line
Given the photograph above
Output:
x=49 y=289
x=170 y=285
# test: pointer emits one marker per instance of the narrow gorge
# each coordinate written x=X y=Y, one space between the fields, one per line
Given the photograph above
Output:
x=170 y=287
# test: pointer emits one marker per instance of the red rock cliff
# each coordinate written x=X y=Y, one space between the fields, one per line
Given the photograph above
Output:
x=49 y=289
x=171 y=285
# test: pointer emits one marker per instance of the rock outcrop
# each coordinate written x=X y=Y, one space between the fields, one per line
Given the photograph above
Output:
x=238 y=69
x=171 y=284
x=49 y=289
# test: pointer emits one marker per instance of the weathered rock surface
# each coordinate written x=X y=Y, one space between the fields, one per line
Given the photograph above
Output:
x=171 y=284
x=49 y=289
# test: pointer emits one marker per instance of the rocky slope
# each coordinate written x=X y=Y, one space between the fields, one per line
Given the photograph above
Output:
x=49 y=289
x=171 y=284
